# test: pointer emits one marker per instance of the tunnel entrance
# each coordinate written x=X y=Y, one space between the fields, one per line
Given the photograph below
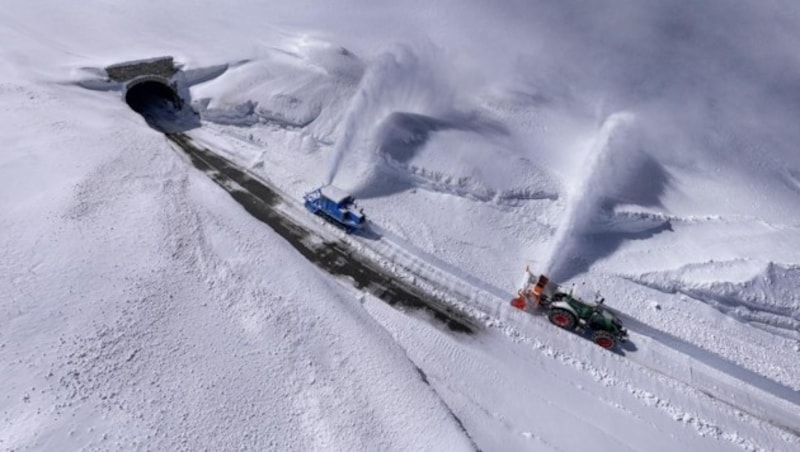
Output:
x=149 y=94
x=161 y=106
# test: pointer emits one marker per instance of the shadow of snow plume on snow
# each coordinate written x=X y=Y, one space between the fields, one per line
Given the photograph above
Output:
x=401 y=138
x=404 y=78
x=588 y=248
x=617 y=173
x=335 y=257
x=403 y=134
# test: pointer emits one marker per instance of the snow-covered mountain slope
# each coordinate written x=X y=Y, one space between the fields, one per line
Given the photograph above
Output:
x=144 y=310
x=646 y=150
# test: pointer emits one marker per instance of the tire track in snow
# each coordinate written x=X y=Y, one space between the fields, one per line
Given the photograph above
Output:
x=699 y=377
x=708 y=369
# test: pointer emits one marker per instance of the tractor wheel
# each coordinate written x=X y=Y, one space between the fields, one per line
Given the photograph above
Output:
x=604 y=339
x=562 y=318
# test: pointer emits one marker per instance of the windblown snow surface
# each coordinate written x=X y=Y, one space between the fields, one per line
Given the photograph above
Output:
x=648 y=150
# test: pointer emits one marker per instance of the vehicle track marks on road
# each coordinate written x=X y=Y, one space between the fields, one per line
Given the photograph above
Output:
x=335 y=257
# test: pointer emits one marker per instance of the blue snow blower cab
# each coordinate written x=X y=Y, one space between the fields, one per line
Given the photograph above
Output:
x=336 y=206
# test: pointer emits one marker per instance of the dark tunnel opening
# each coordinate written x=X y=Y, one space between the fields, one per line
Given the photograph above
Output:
x=149 y=95
x=161 y=106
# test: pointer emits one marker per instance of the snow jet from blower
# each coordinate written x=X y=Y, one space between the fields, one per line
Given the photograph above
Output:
x=613 y=157
x=403 y=79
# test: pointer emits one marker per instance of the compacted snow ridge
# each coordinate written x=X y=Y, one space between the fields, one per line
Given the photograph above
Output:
x=164 y=288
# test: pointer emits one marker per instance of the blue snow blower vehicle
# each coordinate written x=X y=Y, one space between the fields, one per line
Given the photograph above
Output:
x=336 y=206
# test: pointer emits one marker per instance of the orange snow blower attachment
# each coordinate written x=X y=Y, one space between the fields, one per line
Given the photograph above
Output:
x=519 y=301
x=530 y=293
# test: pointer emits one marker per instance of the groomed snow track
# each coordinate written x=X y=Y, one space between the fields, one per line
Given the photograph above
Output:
x=404 y=276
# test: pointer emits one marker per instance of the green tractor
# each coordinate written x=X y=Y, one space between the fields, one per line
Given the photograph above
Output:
x=571 y=313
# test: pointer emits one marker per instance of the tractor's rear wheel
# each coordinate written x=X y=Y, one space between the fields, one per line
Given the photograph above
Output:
x=604 y=339
x=562 y=318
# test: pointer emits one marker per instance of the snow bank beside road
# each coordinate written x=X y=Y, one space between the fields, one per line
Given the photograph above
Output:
x=766 y=297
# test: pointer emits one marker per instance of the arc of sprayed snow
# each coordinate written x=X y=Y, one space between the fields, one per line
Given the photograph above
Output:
x=346 y=141
x=369 y=89
x=584 y=197
x=398 y=80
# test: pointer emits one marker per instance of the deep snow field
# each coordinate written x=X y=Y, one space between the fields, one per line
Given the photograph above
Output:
x=647 y=150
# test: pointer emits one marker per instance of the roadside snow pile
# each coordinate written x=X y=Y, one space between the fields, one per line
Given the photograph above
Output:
x=302 y=82
x=626 y=219
x=765 y=294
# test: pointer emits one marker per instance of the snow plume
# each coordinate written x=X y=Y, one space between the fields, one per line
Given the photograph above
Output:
x=402 y=79
x=612 y=159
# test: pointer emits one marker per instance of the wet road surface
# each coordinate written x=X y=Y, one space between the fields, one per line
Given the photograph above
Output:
x=335 y=257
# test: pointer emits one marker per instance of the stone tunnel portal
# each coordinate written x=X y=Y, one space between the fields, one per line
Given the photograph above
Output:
x=156 y=89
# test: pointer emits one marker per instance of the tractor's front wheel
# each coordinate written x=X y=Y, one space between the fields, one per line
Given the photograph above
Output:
x=562 y=318
x=604 y=339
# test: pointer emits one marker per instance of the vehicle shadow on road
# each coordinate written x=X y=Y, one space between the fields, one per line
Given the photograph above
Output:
x=368 y=233
x=621 y=348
